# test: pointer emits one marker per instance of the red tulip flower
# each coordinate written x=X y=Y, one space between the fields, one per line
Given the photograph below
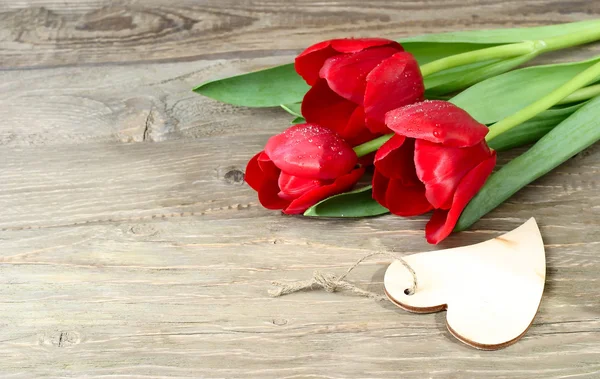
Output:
x=301 y=166
x=355 y=82
x=437 y=160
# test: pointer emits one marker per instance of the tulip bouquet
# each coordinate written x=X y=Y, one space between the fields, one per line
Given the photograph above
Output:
x=421 y=120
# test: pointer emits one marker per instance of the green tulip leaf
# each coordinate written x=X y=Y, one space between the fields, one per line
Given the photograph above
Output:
x=501 y=96
x=571 y=136
x=357 y=203
x=265 y=88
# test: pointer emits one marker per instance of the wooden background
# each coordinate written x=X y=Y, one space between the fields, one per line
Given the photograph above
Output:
x=130 y=246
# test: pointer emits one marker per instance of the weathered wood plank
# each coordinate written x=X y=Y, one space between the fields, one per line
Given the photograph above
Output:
x=145 y=254
x=180 y=301
x=106 y=182
x=40 y=33
x=136 y=267
x=137 y=103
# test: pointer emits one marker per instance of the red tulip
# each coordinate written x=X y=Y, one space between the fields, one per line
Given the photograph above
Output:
x=301 y=166
x=437 y=160
x=355 y=82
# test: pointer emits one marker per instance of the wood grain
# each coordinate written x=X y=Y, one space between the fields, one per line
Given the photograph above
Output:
x=130 y=246
x=43 y=33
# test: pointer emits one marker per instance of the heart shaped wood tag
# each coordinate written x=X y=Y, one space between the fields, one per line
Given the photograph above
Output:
x=491 y=290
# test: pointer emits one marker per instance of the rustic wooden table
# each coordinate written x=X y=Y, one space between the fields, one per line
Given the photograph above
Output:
x=130 y=246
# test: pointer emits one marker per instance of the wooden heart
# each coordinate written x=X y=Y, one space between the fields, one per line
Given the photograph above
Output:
x=491 y=290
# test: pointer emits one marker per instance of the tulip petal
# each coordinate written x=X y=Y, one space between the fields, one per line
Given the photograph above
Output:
x=394 y=159
x=254 y=176
x=268 y=196
x=443 y=221
x=270 y=171
x=266 y=187
x=341 y=184
x=396 y=82
x=406 y=200
x=311 y=151
x=377 y=127
x=309 y=62
x=352 y=45
x=356 y=131
x=380 y=185
x=441 y=168
x=395 y=182
x=293 y=186
x=346 y=74
x=324 y=107
x=436 y=121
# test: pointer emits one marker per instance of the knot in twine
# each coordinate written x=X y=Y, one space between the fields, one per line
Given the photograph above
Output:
x=331 y=283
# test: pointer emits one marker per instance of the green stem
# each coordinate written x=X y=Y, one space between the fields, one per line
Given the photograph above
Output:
x=581 y=95
x=496 y=52
x=579 y=81
x=372 y=145
x=556 y=43
x=512 y=50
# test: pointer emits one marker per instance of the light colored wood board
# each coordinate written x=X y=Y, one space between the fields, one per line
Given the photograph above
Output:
x=95 y=183
x=164 y=299
x=136 y=103
x=40 y=33
x=142 y=103
x=104 y=183
x=220 y=250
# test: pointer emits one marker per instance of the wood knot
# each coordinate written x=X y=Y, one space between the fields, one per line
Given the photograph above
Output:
x=143 y=230
x=279 y=321
x=145 y=119
x=109 y=23
x=61 y=338
x=234 y=176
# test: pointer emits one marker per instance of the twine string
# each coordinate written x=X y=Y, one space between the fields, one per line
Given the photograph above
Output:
x=331 y=283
